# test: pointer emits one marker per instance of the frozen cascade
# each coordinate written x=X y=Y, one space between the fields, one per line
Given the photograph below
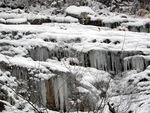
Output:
x=110 y=61
x=107 y=60
x=52 y=92
x=39 y=53
x=43 y=53
x=18 y=72
x=60 y=92
x=23 y=74
x=137 y=62
x=43 y=91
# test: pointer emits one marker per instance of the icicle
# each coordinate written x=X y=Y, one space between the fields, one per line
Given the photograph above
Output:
x=61 y=92
x=43 y=92
x=56 y=92
x=135 y=63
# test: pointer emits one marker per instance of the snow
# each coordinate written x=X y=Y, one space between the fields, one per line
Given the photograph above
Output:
x=137 y=22
x=17 y=21
x=135 y=94
x=65 y=32
x=29 y=63
x=14 y=51
x=74 y=10
x=2 y=20
x=115 y=18
x=13 y=17
x=10 y=15
x=67 y=19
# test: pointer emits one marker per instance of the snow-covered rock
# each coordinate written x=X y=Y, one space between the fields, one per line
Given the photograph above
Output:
x=16 y=21
x=78 y=11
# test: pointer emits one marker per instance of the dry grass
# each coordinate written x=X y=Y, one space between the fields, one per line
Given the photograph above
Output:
x=143 y=13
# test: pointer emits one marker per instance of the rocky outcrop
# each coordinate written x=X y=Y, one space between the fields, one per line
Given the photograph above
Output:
x=141 y=28
x=107 y=60
x=55 y=93
x=2 y=106
x=38 y=21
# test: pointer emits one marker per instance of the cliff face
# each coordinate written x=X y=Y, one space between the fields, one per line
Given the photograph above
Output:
x=61 y=67
x=75 y=58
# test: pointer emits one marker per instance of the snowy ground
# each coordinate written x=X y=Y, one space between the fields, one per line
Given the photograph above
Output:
x=83 y=37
